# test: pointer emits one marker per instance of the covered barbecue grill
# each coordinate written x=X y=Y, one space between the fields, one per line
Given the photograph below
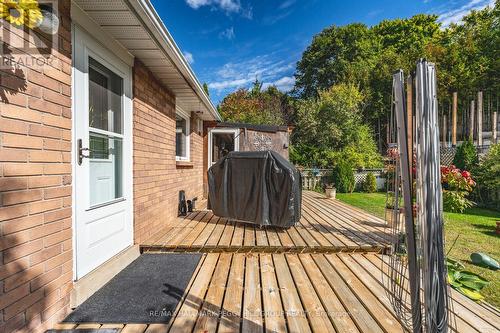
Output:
x=259 y=187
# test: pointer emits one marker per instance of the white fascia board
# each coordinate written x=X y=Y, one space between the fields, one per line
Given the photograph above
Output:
x=146 y=12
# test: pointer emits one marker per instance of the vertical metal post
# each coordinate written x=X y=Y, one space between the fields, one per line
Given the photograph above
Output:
x=405 y=167
x=409 y=113
x=429 y=202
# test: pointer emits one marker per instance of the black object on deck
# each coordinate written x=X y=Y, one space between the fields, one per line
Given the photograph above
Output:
x=182 y=211
x=259 y=187
x=146 y=291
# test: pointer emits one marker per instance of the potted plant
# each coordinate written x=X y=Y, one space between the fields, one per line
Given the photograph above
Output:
x=330 y=191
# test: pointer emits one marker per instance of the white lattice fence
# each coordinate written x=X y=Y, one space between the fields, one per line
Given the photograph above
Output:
x=360 y=176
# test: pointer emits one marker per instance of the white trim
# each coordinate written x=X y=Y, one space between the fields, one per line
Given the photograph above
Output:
x=84 y=45
x=145 y=11
x=79 y=17
x=235 y=131
x=184 y=115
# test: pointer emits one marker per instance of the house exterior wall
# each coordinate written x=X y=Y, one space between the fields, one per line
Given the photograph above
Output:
x=35 y=182
x=158 y=178
x=36 y=244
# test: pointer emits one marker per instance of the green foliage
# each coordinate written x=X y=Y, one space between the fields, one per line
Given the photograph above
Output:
x=370 y=183
x=329 y=128
x=488 y=177
x=466 y=55
x=343 y=177
x=456 y=201
x=205 y=89
x=467 y=283
x=257 y=106
x=466 y=156
x=457 y=184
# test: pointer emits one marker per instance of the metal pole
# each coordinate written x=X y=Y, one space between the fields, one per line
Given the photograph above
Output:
x=429 y=202
x=405 y=166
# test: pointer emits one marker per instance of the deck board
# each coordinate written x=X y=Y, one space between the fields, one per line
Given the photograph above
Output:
x=324 y=274
x=308 y=292
x=326 y=226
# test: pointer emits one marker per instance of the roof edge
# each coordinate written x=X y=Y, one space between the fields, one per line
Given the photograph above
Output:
x=150 y=17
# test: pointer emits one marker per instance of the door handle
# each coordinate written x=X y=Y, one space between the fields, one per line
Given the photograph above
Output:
x=81 y=155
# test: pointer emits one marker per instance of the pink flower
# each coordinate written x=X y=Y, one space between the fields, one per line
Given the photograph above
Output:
x=465 y=174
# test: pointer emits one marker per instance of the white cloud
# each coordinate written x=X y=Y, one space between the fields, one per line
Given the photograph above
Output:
x=455 y=15
x=228 y=6
x=227 y=33
x=221 y=85
x=241 y=74
x=286 y=4
x=285 y=84
x=189 y=57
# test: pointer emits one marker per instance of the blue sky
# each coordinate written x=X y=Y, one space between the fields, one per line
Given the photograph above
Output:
x=231 y=42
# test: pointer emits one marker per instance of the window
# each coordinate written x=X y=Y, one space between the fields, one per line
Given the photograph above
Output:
x=105 y=133
x=181 y=137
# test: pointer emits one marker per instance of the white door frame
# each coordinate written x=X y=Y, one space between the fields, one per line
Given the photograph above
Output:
x=235 y=131
x=83 y=47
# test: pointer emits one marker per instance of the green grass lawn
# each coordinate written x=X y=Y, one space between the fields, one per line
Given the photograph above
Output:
x=475 y=230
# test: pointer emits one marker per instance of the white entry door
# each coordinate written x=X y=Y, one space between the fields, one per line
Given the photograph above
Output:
x=102 y=153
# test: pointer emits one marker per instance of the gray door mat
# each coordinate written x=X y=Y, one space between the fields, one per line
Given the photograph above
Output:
x=146 y=291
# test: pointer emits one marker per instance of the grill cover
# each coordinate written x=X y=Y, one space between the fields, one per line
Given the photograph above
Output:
x=258 y=187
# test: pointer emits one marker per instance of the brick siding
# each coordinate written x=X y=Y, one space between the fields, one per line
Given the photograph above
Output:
x=35 y=185
x=157 y=177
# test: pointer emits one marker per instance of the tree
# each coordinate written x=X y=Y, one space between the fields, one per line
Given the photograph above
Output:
x=257 y=106
x=466 y=156
x=330 y=128
x=205 y=88
x=336 y=55
x=466 y=56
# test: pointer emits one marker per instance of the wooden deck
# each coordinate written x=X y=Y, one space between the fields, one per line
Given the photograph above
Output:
x=336 y=292
x=323 y=275
x=326 y=226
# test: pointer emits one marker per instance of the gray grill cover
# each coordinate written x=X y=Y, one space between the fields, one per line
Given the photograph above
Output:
x=259 y=187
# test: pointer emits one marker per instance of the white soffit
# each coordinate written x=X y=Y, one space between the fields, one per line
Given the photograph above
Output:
x=135 y=25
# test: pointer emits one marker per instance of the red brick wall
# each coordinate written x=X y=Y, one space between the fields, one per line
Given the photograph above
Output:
x=35 y=186
x=157 y=177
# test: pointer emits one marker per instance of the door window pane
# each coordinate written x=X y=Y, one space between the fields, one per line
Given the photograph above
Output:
x=99 y=146
x=105 y=98
x=105 y=147
x=106 y=170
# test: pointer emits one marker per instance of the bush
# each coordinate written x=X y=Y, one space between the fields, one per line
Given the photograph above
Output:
x=370 y=183
x=466 y=156
x=488 y=178
x=457 y=185
x=343 y=177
